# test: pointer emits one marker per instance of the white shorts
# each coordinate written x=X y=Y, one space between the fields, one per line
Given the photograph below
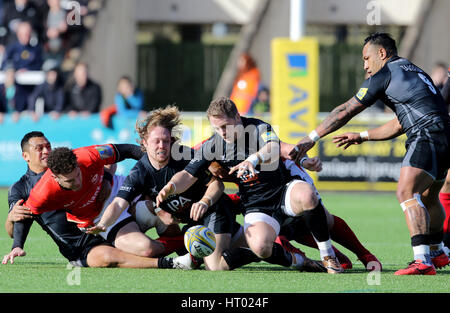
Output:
x=297 y=171
x=117 y=183
x=254 y=217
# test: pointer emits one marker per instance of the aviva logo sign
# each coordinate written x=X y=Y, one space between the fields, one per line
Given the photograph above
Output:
x=298 y=65
x=295 y=87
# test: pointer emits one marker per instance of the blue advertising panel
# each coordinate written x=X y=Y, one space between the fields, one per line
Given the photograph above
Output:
x=66 y=131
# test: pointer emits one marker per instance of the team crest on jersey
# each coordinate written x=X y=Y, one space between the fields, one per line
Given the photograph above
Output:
x=268 y=136
x=361 y=93
x=94 y=178
x=105 y=152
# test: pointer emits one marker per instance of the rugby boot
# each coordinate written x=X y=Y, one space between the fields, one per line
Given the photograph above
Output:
x=308 y=265
x=332 y=265
x=345 y=262
x=187 y=262
x=441 y=260
x=417 y=267
x=371 y=262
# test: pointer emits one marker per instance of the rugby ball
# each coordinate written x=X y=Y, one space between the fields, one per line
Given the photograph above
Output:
x=200 y=241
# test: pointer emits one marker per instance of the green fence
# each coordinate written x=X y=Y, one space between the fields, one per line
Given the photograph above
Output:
x=186 y=74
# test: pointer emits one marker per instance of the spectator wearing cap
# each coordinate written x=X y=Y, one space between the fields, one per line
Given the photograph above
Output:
x=49 y=96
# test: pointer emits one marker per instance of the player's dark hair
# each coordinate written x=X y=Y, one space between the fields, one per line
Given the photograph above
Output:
x=384 y=40
x=27 y=137
x=222 y=106
x=62 y=160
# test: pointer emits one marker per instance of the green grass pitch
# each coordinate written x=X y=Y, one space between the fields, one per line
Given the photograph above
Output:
x=376 y=218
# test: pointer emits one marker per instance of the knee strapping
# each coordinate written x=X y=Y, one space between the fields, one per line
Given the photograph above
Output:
x=405 y=205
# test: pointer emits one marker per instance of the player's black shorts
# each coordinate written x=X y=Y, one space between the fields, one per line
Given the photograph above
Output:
x=83 y=247
x=429 y=150
x=219 y=217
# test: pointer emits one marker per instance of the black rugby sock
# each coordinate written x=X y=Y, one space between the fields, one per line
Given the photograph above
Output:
x=165 y=263
x=316 y=221
x=238 y=257
x=279 y=256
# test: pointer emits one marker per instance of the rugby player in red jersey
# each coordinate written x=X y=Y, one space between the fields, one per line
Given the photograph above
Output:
x=73 y=183
x=77 y=247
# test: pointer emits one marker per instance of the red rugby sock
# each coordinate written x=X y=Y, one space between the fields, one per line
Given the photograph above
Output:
x=445 y=201
x=173 y=244
x=343 y=234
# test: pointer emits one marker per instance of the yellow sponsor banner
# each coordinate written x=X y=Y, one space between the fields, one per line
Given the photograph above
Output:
x=295 y=88
x=371 y=166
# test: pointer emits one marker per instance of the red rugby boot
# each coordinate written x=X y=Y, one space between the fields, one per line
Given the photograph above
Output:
x=417 y=267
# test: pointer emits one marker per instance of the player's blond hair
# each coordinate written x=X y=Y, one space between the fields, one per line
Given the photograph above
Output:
x=168 y=117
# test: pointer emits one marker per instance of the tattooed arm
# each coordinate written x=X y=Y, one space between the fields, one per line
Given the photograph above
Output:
x=335 y=120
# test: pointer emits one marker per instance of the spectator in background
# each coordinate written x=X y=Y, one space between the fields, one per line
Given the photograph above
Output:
x=18 y=11
x=128 y=102
x=49 y=96
x=439 y=74
x=128 y=99
x=7 y=95
x=22 y=56
x=56 y=24
x=85 y=96
x=3 y=101
x=76 y=30
x=246 y=84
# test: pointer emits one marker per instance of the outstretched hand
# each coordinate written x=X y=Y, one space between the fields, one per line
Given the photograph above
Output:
x=243 y=168
x=95 y=229
x=348 y=139
x=313 y=164
x=301 y=149
x=13 y=254
x=165 y=192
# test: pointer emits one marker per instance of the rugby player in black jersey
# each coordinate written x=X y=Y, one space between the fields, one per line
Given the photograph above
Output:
x=444 y=195
x=422 y=115
x=204 y=203
x=77 y=247
x=249 y=148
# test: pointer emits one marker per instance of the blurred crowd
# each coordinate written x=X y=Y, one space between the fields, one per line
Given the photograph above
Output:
x=40 y=37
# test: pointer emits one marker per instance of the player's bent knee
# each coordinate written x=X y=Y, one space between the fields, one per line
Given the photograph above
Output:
x=303 y=198
x=140 y=246
x=263 y=249
x=102 y=256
